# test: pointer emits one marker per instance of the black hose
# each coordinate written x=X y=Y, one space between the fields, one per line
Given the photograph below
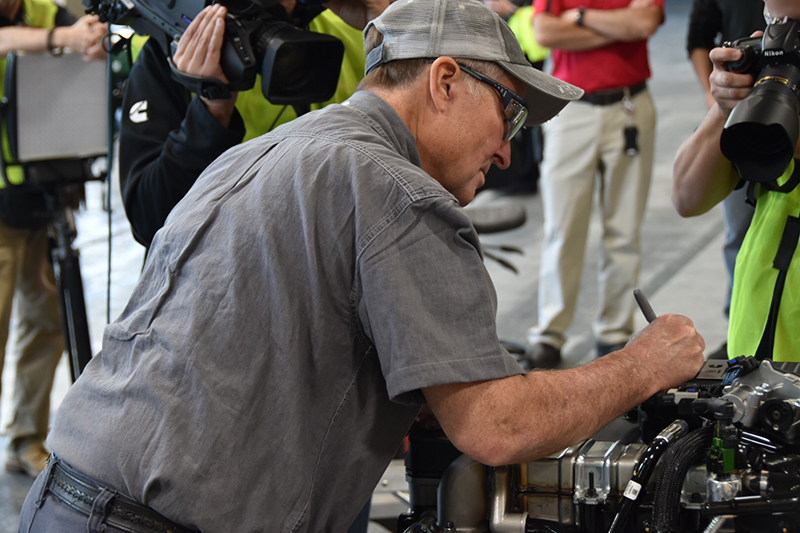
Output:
x=642 y=472
x=675 y=465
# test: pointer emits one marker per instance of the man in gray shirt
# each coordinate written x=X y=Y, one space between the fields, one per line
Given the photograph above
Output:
x=318 y=285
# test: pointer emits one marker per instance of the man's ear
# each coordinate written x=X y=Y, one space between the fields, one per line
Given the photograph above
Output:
x=442 y=77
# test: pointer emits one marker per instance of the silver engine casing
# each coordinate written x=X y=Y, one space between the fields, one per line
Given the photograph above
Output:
x=477 y=499
x=551 y=489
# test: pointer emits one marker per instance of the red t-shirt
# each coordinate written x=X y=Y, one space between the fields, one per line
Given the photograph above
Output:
x=619 y=64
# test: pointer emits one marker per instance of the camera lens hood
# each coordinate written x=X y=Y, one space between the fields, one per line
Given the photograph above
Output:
x=762 y=131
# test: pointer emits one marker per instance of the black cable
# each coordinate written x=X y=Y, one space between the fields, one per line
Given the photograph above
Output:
x=272 y=126
x=110 y=159
x=676 y=463
x=642 y=472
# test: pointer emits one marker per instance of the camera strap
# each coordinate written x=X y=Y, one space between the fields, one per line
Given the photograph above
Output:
x=210 y=88
x=789 y=186
x=786 y=250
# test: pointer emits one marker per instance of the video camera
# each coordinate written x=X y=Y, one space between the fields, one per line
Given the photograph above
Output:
x=761 y=133
x=296 y=66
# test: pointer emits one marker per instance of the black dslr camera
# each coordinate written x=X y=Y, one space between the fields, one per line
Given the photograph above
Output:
x=762 y=131
x=296 y=66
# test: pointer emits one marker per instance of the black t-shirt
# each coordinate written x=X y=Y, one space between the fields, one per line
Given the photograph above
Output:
x=712 y=22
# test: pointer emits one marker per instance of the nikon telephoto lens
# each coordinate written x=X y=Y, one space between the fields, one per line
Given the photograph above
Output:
x=762 y=130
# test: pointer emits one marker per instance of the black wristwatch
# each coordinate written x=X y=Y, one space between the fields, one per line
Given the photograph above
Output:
x=581 y=13
x=54 y=50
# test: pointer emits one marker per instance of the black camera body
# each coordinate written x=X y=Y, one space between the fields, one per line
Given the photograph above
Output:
x=298 y=67
x=761 y=132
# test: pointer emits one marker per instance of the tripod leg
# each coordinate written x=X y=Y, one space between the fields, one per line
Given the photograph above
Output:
x=66 y=260
x=73 y=306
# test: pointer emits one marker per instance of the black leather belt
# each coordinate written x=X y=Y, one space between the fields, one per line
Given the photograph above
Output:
x=122 y=513
x=612 y=96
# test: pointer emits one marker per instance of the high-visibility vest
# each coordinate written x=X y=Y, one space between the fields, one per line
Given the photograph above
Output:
x=766 y=283
x=521 y=23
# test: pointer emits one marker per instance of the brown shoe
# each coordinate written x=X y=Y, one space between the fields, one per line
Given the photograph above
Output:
x=28 y=460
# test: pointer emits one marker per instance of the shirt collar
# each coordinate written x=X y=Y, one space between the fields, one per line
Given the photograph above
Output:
x=384 y=119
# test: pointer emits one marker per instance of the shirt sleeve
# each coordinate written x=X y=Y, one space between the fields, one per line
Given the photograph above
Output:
x=705 y=21
x=548 y=6
x=167 y=139
x=428 y=304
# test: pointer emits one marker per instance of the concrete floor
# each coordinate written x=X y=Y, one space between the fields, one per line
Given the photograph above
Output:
x=682 y=270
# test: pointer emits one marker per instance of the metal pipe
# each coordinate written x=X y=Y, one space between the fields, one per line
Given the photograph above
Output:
x=501 y=521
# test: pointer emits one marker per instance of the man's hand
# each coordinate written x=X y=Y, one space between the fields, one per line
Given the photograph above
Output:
x=671 y=350
x=357 y=13
x=728 y=88
x=84 y=37
x=200 y=46
x=199 y=54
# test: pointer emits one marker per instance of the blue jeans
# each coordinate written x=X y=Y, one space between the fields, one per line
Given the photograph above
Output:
x=42 y=512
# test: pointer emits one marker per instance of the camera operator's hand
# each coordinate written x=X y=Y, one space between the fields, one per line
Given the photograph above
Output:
x=357 y=13
x=84 y=37
x=671 y=348
x=199 y=54
x=728 y=88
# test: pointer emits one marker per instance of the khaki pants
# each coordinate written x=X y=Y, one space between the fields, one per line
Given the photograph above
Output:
x=584 y=153
x=27 y=280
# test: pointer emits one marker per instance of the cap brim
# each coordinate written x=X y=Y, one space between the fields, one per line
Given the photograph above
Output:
x=546 y=96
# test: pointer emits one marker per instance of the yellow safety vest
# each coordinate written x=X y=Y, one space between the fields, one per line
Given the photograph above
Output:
x=756 y=276
x=521 y=23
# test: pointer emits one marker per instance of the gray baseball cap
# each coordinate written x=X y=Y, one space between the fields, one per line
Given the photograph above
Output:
x=465 y=29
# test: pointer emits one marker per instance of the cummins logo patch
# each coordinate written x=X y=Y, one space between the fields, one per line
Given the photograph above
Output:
x=138 y=112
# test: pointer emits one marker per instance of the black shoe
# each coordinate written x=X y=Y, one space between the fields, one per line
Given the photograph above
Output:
x=720 y=353
x=605 y=349
x=544 y=356
x=519 y=352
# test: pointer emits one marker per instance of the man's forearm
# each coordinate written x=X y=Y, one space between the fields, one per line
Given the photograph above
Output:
x=600 y=27
x=627 y=24
x=23 y=39
x=702 y=176
x=523 y=418
x=555 y=32
x=539 y=413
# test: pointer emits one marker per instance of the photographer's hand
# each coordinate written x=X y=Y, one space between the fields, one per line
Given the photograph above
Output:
x=357 y=13
x=199 y=54
x=728 y=88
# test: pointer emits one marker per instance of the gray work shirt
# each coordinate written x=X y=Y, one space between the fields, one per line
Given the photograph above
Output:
x=271 y=357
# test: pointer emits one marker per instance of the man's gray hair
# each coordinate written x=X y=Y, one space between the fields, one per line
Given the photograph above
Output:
x=402 y=73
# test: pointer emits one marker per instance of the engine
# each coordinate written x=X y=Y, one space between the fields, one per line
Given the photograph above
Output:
x=726 y=445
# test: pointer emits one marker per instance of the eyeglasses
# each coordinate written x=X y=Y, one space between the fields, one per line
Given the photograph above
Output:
x=515 y=108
